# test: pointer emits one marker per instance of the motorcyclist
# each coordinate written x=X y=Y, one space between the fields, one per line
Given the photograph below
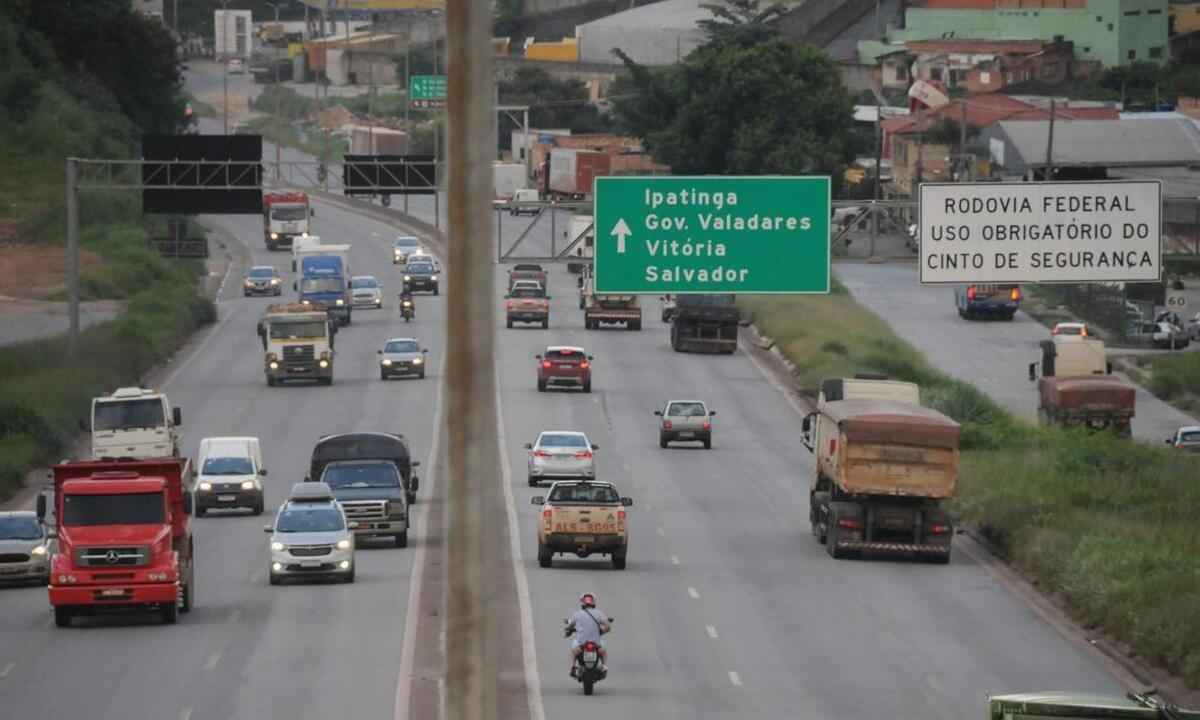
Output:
x=407 y=297
x=587 y=624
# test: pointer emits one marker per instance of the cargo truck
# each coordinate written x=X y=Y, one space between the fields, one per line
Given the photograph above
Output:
x=285 y=217
x=303 y=242
x=705 y=323
x=297 y=344
x=885 y=466
x=325 y=280
x=124 y=538
x=610 y=309
x=507 y=179
x=567 y=173
x=134 y=422
x=1077 y=387
x=583 y=235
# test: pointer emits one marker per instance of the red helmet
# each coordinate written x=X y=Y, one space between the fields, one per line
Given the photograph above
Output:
x=587 y=600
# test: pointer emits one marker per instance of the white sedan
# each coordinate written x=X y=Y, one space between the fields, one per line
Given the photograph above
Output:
x=560 y=455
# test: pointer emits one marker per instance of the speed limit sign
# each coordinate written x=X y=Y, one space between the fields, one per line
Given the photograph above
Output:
x=1176 y=302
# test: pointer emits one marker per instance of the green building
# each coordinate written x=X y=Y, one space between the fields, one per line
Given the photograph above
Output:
x=1113 y=32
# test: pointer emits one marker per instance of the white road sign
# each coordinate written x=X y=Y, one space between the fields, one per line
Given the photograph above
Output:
x=1047 y=232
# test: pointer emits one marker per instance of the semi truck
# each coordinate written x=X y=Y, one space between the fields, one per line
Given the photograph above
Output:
x=1077 y=387
x=885 y=466
x=133 y=422
x=285 y=217
x=297 y=344
x=124 y=538
x=325 y=280
x=567 y=173
x=705 y=323
x=609 y=309
x=507 y=179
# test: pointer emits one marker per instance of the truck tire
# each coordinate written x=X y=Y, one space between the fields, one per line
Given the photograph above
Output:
x=545 y=556
x=663 y=442
x=582 y=304
x=546 y=323
x=272 y=578
x=402 y=539
x=170 y=613
x=411 y=497
x=509 y=323
x=708 y=443
x=637 y=325
x=816 y=501
x=270 y=382
x=348 y=578
x=618 y=562
x=533 y=482
x=259 y=506
x=187 y=595
x=62 y=616
x=837 y=510
x=541 y=386
x=435 y=289
x=587 y=386
x=200 y=511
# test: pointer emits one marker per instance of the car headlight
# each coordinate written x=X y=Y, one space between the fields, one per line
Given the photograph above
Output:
x=273 y=365
x=206 y=486
x=274 y=281
x=324 y=363
x=407 y=278
x=433 y=278
x=305 y=302
x=274 y=236
x=340 y=302
x=247 y=484
x=418 y=361
x=278 y=546
x=344 y=544
x=249 y=282
x=408 y=303
x=38 y=551
x=385 y=362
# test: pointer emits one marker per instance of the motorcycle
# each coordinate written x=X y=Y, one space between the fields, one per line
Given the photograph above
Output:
x=406 y=308
x=589 y=669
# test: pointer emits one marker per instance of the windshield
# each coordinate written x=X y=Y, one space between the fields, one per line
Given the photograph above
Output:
x=564 y=355
x=135 y=509
x=584 y=494
x=289 y=213
x=686 y=409
x=361 y=476
x=262 y=272
x=402 y=346
x=406 y=242
x=420 y=268
x=320 y=285
x=358 y=283
x=301 y=519
x=1190 y=437
x=294 y=330
x=128 y=414
x=227 y=466
x=527 y=292
x=563 y=441
x=20 y=528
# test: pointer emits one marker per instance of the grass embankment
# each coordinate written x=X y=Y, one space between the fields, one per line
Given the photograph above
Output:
x=43 y=391
x=1108 y=525
x=1174 y=378
x=288 y=123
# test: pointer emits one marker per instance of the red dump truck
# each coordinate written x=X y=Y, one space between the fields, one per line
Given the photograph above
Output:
x=124 y=532
x=885 y=466
x=285 y=217
x=1077 y=387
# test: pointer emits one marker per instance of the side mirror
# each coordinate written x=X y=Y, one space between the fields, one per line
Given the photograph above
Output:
x=262 y=471
x=307 y=478
x=177 y=416
x=424 y=351
x=658 y=413
x=41 y=505
x=312 y=212
x=415 y=463
x=627 y=502
x=591 y=358
x=187 y=503
x=806 y=431
x=547 y=297
x=1032 y=371
x=83 y=425
x=537 y=500
x=595 y=446
x=508 y=297
x=268 y=529
x=353 y=525
x=528 y=446
x=539 y=357
x=293 y=286
x=1169 y=441
x=712 y=412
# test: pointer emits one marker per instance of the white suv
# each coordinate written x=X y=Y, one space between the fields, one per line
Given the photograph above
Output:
x=310 y=537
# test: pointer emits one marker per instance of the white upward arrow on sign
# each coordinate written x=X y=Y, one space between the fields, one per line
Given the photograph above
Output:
x=622 y=231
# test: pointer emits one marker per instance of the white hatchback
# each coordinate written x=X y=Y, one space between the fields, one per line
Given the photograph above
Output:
x=561 y=454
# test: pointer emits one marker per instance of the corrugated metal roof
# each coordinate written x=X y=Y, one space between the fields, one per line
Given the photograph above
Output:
x=1107 y=143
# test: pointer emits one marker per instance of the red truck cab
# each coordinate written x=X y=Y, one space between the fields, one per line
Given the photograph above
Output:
x=124 y=538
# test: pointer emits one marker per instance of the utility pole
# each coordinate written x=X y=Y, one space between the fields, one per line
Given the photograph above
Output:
x=225 y=62
x=73 y=254
x=878 y=174
x=477 y=562
x=1050 y=145
x=278 y=159
x=962 y=141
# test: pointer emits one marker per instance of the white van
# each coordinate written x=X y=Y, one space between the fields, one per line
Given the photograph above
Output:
x=231 y=471
x=525 y=195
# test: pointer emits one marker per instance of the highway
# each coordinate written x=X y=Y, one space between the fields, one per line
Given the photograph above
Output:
x=728 y=607
x=999 y=354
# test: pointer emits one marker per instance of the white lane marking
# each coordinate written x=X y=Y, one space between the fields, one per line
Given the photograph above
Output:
x=7 y=669
x=185 y=713
x=533 y=683
x=674 y=559
x=712 y=631
x=235 y=615
x=661 y=532
x=735 y=678
x=408 y=650
x=212 y=660
x=693 y=592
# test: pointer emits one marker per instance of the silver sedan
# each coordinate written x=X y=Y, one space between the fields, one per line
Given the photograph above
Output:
x=561 y=454
x=402 y=356
x=24 y=548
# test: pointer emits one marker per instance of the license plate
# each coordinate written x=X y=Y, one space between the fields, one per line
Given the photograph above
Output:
x=585 y=538
x=310 y=563
x=566 y=365
x=112 y=592
x=226 y=498
x=686 y=434
x=298 y=369
x=589 y=657
x=11 y=571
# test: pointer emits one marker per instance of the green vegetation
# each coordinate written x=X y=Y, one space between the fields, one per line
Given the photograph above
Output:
x=553 y=103
x=286 y=134
x=51 y=109
x=1174 y=378
x=1104 y=523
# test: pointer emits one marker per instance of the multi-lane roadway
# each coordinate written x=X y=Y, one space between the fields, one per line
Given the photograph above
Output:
x=728 y=606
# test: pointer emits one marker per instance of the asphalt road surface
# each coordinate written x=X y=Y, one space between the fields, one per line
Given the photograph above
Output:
x=993 y=356
x=728 y=608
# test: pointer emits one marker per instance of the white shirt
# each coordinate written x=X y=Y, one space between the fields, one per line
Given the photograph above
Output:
x=587 y=625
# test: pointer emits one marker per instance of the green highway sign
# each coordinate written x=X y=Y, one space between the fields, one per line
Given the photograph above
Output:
x=427 y=91
x=711 y=234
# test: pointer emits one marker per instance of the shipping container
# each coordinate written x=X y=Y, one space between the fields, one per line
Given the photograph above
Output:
x=508 y=178
x=377 y=141
x=572 y=171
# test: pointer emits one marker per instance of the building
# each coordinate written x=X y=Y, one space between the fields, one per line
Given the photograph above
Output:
x=1184 y=17
x=980 y=66
x=150 y=8
x=661 y=33
x=234 y=34
x=1110 y=32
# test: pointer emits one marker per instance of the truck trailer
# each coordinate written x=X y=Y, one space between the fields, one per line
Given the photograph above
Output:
x=1077 y=387
x=124 y=531
x=705 y=323
x=567 y=173
x=885 y=466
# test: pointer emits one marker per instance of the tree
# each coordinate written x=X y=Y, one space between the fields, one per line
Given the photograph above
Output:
x=741 y=22
x=553 y=103
x=771 y=107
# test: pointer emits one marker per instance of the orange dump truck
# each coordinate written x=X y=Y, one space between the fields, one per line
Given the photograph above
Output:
x=885 y=465
x=1077 y=387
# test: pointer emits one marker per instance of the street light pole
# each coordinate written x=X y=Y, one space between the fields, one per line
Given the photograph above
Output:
x=278 y=159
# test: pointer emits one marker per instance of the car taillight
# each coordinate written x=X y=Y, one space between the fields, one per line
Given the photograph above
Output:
x=849 y=523
x=621 y=521
x=546 y=364
x=970 y=293
x=1056 y=331
x=666 y=424
x=1015 y=294
x=508 y=304
x=583 y=455
x=939 y=529
x=707 y=425
x=583 y=365
x=541 y=453
x=547 y=518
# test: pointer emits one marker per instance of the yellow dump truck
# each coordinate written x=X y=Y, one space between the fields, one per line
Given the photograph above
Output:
x=885 y=464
